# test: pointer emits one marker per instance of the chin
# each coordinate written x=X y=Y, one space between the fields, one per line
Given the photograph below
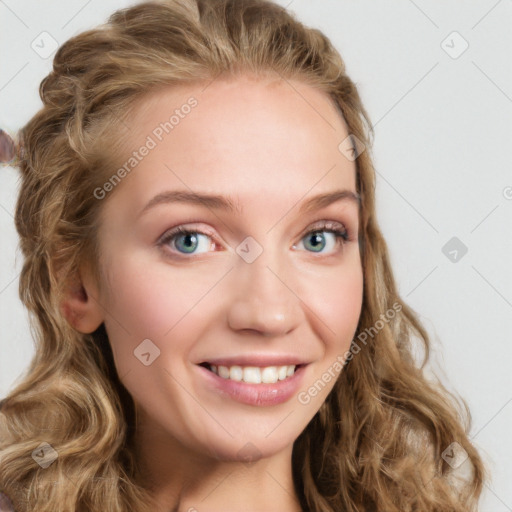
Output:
x=249 y=450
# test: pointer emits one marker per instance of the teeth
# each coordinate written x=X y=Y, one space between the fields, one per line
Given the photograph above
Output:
x=254 y=374
x=282 y=373
x=223 y=372
x=235 y=373
x=269 y=374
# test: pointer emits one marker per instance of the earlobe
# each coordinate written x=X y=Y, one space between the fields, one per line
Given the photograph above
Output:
x=80 y=304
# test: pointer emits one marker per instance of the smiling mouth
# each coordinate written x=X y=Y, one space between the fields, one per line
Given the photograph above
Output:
x=253 y=374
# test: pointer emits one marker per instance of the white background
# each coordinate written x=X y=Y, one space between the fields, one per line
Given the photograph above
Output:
x=443 y=133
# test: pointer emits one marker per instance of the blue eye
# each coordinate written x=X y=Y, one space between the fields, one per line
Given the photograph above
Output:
x=187 y=241
x=339 y=237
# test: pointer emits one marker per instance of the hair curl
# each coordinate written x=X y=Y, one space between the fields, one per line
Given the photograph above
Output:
x=377 y=441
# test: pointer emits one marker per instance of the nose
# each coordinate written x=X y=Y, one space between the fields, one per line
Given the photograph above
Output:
x=265 y=300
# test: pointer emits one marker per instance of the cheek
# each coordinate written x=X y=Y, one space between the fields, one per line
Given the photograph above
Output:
x=138 y=302
x=151 y=300
x=134 y=311
x=142 y=295
x=336 y=297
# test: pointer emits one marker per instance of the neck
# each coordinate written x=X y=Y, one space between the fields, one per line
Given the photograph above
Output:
x=183 y=480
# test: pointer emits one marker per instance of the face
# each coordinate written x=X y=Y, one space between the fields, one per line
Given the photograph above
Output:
x=261 y=278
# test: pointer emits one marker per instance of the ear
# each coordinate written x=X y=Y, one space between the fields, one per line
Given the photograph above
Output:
x=80 y=303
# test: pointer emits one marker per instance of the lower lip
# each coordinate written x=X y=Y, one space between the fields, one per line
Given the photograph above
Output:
x=255 y=394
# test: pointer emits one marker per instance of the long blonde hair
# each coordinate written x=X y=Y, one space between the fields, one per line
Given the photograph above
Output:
x=378 y=441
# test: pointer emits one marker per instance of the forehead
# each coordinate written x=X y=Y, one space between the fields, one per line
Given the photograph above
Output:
x=246 y=137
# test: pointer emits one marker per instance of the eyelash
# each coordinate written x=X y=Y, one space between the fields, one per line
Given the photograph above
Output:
x=343 y=235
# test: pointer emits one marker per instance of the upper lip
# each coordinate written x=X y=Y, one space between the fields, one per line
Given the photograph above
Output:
x=256 y=360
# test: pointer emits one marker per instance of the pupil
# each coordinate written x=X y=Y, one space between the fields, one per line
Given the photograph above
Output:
x=188 y=237
x=317 y=237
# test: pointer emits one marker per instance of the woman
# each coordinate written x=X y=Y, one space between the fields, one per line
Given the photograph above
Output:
x=218 y=326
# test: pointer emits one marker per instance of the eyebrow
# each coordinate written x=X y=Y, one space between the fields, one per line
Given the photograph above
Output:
x=226 y=203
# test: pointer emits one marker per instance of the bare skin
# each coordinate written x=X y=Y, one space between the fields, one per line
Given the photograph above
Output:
x=270 y=147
